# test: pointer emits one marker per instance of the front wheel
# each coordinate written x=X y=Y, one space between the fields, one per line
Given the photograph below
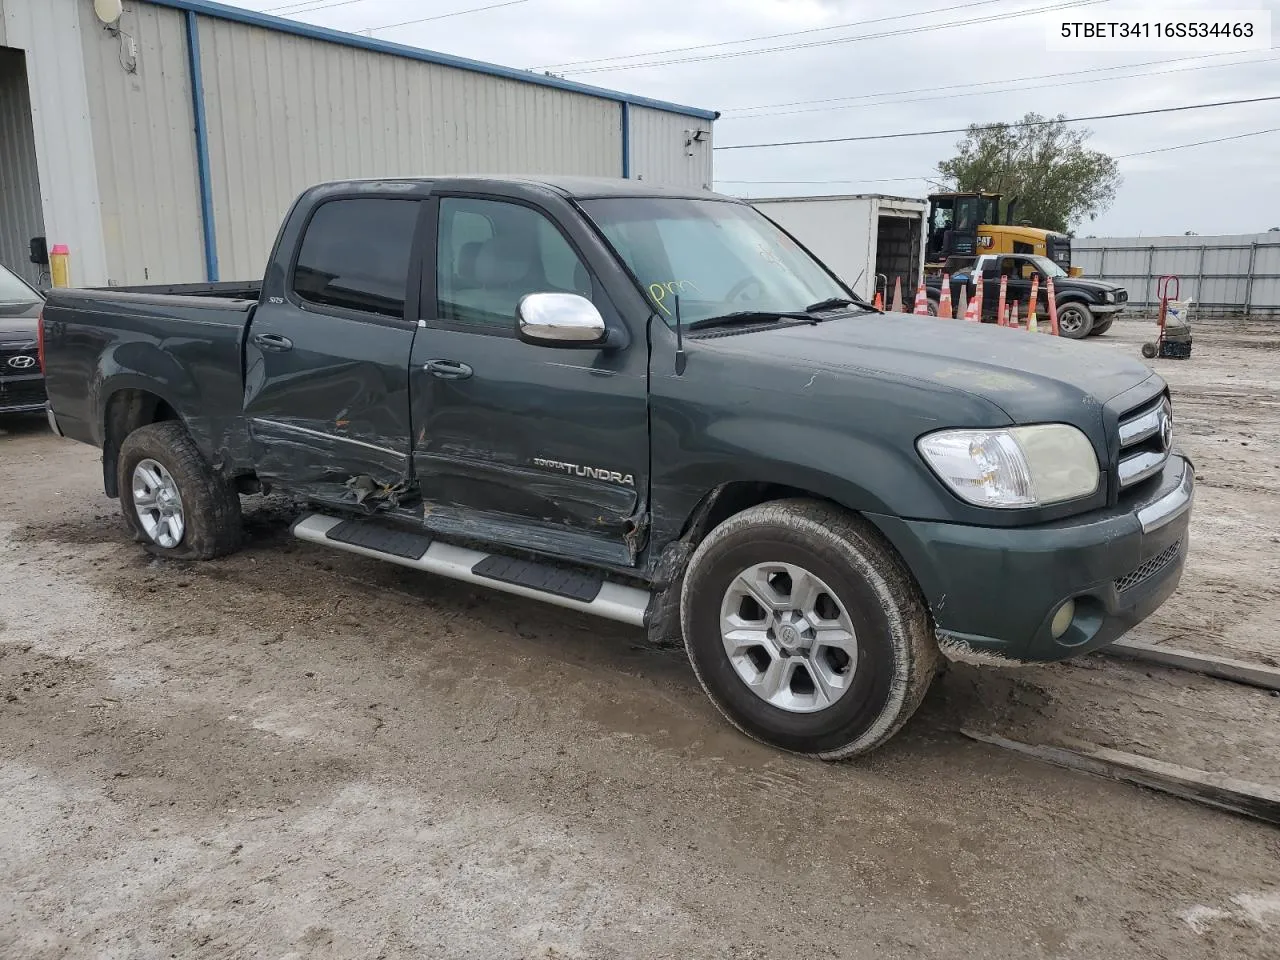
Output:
x=1075 y=321
x=1101 y=326
x=172 y=499
x=806 y=630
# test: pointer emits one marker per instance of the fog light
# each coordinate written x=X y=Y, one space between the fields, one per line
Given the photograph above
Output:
x=1062 y=619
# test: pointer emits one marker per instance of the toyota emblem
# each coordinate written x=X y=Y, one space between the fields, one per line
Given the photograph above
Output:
x=1166 y=428
x=22 y=363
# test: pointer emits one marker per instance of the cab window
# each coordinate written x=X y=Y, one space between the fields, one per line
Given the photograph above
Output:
x=490 y=254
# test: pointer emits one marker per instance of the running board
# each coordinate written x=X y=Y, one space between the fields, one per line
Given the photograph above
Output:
x=524 y=578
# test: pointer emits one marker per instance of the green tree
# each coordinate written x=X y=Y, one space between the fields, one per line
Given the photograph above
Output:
x=1044 y=162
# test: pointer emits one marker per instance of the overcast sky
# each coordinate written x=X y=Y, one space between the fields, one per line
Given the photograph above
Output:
x=1231 y=187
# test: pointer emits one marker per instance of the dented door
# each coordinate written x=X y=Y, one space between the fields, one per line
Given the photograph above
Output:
x=540 y=447
x=326 y=357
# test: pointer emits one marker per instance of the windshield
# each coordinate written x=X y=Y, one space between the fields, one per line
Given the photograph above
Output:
x=718 y=257
x=13 y=290
x=1048 y=267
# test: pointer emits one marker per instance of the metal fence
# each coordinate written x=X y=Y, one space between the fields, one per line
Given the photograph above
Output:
x=1223 y=275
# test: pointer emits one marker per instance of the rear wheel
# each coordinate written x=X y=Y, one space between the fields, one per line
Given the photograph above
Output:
x=933 y=306
x=172 y=499
x=806 y=630
x=1075 y=321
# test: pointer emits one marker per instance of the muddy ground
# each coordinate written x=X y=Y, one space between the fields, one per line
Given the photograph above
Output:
x=295 y=753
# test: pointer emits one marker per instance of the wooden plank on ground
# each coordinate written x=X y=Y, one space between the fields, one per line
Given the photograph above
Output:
x=1241 y=671
x=1212 y=789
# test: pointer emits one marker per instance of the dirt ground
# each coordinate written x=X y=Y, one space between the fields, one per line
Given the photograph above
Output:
x=294 y=753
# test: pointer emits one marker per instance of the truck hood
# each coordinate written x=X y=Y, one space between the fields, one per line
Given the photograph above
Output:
x=1031 y=377
x=1083 y=283
x=18 y=321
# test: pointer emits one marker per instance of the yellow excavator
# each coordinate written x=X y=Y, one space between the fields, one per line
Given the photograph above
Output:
x=963 y=226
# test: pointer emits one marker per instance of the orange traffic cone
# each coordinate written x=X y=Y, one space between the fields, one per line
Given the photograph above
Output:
x=897 y=296
x=1035 y=296
x=922 y=301
x=1053 y=307
x=977 y=297
x=974 y=313
x=878 y=301
x=944 y=298
x=1032 y=325
x=962 y=306
x=1001 y=318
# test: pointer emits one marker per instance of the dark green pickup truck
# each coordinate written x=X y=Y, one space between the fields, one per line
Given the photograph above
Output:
x=650 y=405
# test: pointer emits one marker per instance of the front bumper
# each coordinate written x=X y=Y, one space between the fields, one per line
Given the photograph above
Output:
x=1107 y=308
x=994 y=591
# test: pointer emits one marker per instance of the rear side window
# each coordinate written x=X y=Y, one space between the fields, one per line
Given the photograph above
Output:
x=355 y=254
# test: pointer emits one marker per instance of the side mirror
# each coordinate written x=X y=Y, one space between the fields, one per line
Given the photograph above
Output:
x=559 y=320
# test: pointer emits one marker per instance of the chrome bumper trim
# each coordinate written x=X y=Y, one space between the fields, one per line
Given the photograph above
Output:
x=1172 y=505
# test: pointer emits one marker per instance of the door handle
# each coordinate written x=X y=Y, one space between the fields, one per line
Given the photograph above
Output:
x=447 y=369
x=273 y=342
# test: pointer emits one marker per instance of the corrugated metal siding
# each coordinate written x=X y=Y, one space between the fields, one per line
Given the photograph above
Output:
x=285 y=112
x=661 y=153
x=1223 y=274
x=20 y=217
x=49 y=32
x=145 y=148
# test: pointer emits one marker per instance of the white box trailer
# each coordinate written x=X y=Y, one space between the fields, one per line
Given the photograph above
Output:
x=867 y=239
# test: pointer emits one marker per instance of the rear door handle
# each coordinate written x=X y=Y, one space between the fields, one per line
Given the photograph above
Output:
x=273 y=342
x=447 y=369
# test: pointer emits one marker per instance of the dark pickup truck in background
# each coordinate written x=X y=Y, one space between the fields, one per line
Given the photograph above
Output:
x=654 y=406
x=1085 y=307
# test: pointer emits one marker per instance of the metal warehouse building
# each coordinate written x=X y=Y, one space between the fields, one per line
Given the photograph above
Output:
x=166 y=147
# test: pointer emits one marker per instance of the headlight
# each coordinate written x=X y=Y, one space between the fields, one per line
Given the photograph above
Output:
x=1109 y=297
x=1014 y=467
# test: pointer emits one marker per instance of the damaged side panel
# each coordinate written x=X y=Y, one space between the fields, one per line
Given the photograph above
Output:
x=329 y=416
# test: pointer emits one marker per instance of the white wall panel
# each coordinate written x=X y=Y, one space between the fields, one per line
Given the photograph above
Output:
x=49 y=32
x=285 y=112
x=144 y=146
x=661 y=151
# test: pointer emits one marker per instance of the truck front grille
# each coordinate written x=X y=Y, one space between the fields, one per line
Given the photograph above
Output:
x=20 y=393
x=1149 y=568
x=1146 y=439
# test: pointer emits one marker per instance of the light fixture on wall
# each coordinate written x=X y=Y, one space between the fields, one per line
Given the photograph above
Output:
x=108 y=11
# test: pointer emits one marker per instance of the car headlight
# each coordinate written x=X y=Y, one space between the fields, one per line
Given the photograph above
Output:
x=1013 y=467
x=1109 y=297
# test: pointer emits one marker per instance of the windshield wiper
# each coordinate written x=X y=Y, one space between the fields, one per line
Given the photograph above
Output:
x=834 y=302
x=748 y=316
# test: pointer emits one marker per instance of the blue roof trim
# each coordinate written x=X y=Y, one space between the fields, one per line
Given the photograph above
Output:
x=239 y=15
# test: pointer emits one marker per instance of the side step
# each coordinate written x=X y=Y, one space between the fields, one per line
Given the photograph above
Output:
x=525 y=578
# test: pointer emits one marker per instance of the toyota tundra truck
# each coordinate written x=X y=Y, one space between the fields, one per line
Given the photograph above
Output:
x=653 y=405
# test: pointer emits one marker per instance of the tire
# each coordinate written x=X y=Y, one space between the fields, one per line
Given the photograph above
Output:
x=891 y=660
x=1101 y=326
x=1149 y=350
x=207 y=505
x=1075 y=320
x=933 y=306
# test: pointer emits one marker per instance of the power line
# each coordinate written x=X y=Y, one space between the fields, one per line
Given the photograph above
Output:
x=997 y=126
x=1198 y=143
x=1123 y=156
x=1015 y=89
x=926 y=28
x=958 y=86
x=442 y=16
x=308 y=4
x=768 y=36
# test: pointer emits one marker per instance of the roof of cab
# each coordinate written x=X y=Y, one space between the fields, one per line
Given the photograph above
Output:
x=576 y=188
